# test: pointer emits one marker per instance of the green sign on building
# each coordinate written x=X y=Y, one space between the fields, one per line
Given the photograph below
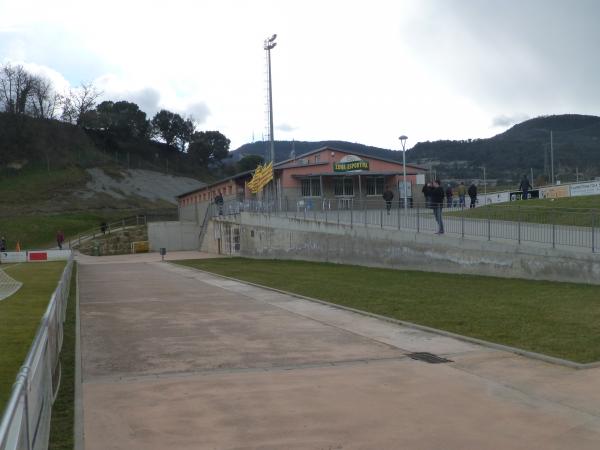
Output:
x=350 y=166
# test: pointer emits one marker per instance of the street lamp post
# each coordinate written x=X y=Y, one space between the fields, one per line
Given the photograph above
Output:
x=403 y=139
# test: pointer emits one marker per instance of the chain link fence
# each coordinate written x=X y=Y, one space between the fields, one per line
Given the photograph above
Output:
x=25 y=424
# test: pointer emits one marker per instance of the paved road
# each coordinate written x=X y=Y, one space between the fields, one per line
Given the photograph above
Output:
x=177 y=359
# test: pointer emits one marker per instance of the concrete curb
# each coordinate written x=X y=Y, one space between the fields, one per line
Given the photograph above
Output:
x=506 y=348
x=78 y=441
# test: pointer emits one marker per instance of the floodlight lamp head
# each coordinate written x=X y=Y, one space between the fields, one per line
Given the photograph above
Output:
x=272 y=38
x=403 y=138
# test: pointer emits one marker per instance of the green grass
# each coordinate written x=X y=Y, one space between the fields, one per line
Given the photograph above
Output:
x=63 y=410
x=35 y=231
x=20 y=316
x=557 y=319
x=36 y=185
x=576 y=211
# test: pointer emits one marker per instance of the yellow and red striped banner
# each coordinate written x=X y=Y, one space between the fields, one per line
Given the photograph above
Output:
x=262 y=176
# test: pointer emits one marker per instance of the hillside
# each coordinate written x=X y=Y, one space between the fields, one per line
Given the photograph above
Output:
x=506 y=156
x=523 y=147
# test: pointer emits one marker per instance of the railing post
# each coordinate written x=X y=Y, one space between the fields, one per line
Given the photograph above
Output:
x=593 y=231
x=365 y=211
x=519 y=222
x=381 y=217
x=489 y=224
x=418 y=220
x=553 y=235
x=462 y=223
x=398 y=215
x=351 y=214
x=338 y=210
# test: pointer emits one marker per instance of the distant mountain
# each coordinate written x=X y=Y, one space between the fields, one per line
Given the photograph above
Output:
x=525 y=146
x=283 y=149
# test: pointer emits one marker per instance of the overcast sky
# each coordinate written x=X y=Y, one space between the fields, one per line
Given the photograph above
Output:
x=350 y=70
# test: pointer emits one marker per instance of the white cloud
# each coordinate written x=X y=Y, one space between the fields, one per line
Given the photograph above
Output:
x=363 y=72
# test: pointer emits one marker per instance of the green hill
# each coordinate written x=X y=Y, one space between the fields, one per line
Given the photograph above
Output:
x=506 y=156
x=523 y=147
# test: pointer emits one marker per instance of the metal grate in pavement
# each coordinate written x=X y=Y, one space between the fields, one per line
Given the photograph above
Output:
x=428 y=357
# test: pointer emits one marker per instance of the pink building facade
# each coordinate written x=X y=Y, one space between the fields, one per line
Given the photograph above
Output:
x=325 y=173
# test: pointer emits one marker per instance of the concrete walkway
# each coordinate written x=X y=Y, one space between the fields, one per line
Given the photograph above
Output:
x=177 y=359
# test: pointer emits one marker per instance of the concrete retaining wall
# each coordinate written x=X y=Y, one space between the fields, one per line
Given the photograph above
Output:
x=173 y=236
x=279 y=237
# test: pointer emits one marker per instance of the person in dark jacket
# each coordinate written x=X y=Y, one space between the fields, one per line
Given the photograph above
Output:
x=472 y=195
x=437 y=203
x=427 y=193
x=524 y=187
x=388 y=196
x=449 y=195
x=219 y=202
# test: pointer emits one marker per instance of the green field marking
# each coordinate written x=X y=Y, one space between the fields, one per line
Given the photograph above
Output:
x=20 y=316
x=63 y=409
x=556 y=319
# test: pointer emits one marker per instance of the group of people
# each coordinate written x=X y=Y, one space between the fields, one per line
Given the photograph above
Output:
x=436 y=196
x=450 y=195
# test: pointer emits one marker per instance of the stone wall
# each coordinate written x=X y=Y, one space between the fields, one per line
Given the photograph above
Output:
x=262 y=236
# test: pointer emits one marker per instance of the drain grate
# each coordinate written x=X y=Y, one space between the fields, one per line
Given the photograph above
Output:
x=428 y=357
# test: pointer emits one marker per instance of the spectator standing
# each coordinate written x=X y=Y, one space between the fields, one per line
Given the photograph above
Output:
x=103 y=227
x=219 y=202
x=461 y=191
x=472 y=195
x=437 y=203
x=524 y=187
x=60 y=238
x=3 y=245
x=388 y=196
x=427 y=189
x=449 y=195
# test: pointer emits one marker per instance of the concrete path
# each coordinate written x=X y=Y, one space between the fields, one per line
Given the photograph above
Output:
x=177 y=359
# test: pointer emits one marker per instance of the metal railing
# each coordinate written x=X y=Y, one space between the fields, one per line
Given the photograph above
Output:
x=25 y=423
x=566 y=228
x=106 y=229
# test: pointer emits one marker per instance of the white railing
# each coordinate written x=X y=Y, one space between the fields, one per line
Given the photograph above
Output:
x=25 y=423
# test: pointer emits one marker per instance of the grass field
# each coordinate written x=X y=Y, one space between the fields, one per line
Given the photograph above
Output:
x=63 y=409
x=557 y=319
x=575 y=211
x=20 y=316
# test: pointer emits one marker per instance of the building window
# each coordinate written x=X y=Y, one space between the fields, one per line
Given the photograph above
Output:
x=343 y=187
x=374 y=185
x=317 y=158
x=311 y=187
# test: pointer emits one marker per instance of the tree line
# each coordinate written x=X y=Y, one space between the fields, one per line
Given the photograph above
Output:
x=25 y=94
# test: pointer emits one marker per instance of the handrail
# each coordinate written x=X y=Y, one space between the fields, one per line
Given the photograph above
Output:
x=25 y=422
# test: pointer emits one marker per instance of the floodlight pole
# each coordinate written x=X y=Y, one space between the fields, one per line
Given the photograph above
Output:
x=269 y=44
x=403 y=142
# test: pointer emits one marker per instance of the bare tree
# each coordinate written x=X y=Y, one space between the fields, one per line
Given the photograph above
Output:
x=44 y=101
x=16 y=87
x=80 y=101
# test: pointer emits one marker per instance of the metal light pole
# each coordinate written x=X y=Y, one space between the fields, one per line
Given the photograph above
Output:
x=403 y=142
x=269 y=44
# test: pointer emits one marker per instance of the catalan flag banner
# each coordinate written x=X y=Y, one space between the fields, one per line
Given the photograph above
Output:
x=262 y=176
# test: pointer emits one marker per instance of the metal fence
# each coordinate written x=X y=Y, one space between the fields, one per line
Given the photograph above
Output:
x=25 y=424
x=566 y=228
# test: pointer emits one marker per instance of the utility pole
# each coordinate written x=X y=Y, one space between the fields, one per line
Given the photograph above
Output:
x=403 y=139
